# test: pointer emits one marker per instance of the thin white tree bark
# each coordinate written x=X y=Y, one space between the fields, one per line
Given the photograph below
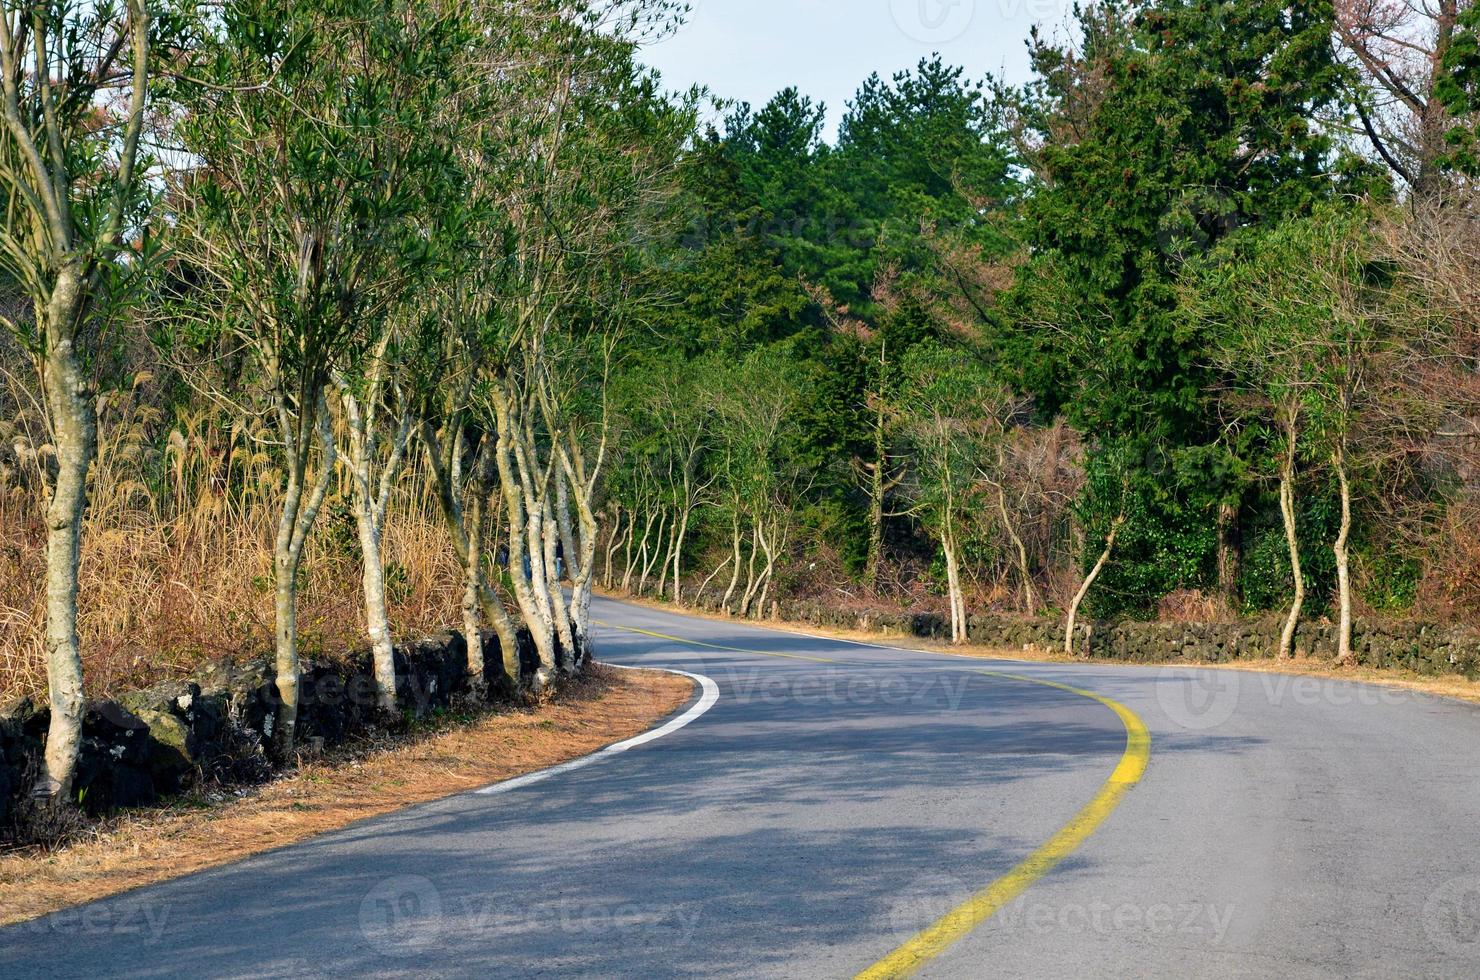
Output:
x=525 y=514
x=50 y=90
x=300 y=509
x=1025 y=572
x=443 y=454
x=1292 y=542
x=370 y=501
x=1089 y=582
x=74 y=428
x=1344 y=654
x=735 y=576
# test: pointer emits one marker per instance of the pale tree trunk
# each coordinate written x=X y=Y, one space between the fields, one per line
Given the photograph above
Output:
x=683 y=528
x=613 y=542
x=443 y=455
x=560 y=612
x=1344 y=653
x=74 y=423
x=735 y=576
x=524 y=511
x=877 y=492
x=649 y=560
x=1025 y=572
x=633 y=558
x=880 y=480
x=295 y=523
x=1292 y=541
x=752 y=584
x=704 y=587
x=1089 y=582
x=377 y=619
x=953 y=588
x=666 y=565
x=64 y=266
x=586 y=536
x=768 y=571
x=370 y=499
x=473 y=578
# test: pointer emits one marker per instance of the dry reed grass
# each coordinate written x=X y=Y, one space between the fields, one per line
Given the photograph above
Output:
x=176 y=561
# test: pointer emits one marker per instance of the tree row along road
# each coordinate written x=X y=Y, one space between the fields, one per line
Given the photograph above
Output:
x=838 y=799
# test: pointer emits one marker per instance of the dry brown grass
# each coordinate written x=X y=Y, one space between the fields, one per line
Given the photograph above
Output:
x=151 y=846
x=176 y=560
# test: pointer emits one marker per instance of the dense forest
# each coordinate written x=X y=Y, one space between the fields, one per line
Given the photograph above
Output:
x=331 y=321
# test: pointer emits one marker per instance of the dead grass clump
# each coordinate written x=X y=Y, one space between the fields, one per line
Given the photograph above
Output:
x=176 y=561
x=1193 y=606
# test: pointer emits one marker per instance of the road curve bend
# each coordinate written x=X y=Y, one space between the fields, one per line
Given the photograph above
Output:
x=838 y=801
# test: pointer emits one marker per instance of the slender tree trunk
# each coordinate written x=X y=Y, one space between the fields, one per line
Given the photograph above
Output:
x=1089 y=582
x=450 y=493
x=879 y=485
x=735 y=576
x=1292 y=542
x=1344 y=653
x=878 y=489
x=75 y=429
x=630 y=557
x=369 y=500
x=768 y=572
x=704 y=587
x=525 y=513
x=612 y=543
x=560 y=611
x=472 y=588
x=683 y=528
x=580 y=550
x=649 y=560
x=666 y=565
x=377 y=620
x=1030 y=595
x=1228 y=552
x=295 y=523
x=751 y=584
x=953 y=587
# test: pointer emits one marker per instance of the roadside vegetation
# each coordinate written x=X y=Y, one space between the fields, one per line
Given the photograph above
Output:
x=331 y=322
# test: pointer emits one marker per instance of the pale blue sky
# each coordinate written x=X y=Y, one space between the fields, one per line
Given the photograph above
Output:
x=751 y=49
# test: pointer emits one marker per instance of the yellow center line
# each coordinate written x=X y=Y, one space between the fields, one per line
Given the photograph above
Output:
x=714 y=646
x=950 y=928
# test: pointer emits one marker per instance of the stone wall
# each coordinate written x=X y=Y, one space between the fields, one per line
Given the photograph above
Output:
x=217 y=726
x=1428 y=648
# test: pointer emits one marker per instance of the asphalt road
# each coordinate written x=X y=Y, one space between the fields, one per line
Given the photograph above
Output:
x=825 y=810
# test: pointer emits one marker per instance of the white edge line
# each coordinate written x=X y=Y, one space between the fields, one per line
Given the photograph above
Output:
x=706 y=701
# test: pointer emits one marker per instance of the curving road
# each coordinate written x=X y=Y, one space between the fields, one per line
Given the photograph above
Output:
x=838 y=798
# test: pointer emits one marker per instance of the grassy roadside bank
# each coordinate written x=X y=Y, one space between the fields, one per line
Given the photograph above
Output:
x=365 y=779
x=1450 y=686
